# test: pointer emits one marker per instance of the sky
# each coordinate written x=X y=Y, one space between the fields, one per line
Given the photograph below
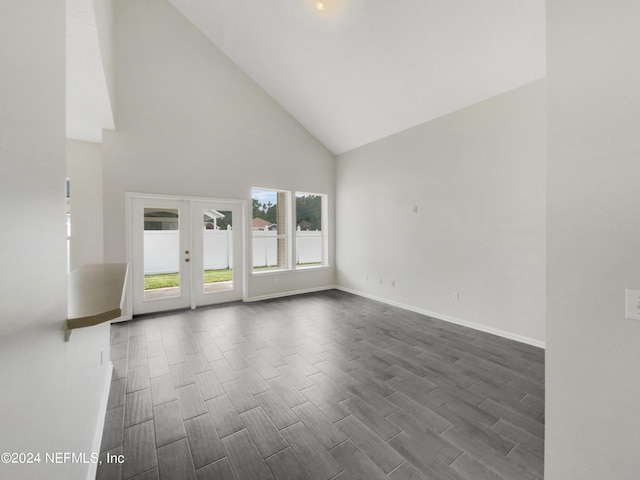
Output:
x=264 y=196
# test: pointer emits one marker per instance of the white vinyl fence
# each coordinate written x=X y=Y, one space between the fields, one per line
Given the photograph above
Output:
x=309 y=247
x=162 y=252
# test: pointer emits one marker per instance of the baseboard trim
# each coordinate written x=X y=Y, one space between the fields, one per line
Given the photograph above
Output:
x=290 y=293
x=102 y=413
x=123 y=318
x=448 y=318
x=440 y=316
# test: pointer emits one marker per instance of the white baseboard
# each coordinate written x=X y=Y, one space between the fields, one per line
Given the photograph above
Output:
x=288 y=294
x=449 y=318
x=440 y=316
x=102 y=413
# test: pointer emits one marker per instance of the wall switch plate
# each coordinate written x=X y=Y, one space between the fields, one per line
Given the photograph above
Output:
x=632 y=304
x=455 y=296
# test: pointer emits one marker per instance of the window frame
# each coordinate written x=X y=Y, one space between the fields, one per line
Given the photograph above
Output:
x=283 y=234
x=289 y=233
x=324 y=203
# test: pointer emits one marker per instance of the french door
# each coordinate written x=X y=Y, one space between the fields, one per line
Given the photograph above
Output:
x=185 y=252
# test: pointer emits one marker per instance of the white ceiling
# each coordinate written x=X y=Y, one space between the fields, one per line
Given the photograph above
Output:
x=364 y=69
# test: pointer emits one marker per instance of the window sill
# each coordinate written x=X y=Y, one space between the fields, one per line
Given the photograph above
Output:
x=311 y=267
x=281 y=271
x=266 y=273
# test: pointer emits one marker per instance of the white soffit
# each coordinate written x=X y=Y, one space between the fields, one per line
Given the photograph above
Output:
x=364 y=69
x=88 y=105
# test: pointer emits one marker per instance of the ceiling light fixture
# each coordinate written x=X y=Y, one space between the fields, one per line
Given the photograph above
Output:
x=326 y=7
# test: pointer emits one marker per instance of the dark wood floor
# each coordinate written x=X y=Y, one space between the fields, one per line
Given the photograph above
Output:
x=321 y=386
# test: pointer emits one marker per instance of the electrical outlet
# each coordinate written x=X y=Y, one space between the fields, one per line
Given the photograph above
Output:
x=632 y=304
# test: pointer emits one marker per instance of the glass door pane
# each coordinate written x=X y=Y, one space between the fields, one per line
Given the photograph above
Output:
x=160 y=254
x=161 y=246
x=217 y=250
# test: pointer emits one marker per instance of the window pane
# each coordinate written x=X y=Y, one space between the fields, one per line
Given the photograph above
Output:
x=269 y=224
x=309 y=237
x=217 y=244
x=308 y=212
x=161 y=253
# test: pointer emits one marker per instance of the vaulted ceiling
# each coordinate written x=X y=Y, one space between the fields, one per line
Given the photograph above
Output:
x=355 y=71
x=359 y=70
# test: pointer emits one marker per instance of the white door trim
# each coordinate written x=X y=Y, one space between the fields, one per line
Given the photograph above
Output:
x=198 y=296
x=177 y=298
x=129 y=196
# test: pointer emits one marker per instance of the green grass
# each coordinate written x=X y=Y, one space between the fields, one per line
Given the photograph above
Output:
x=212 y=276
x=165 y=280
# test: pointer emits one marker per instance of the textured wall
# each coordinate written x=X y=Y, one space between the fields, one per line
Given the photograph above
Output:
x=477 y=179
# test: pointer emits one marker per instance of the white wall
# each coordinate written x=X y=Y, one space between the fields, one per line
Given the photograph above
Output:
x=477 y=178
x=51 y=390
x=84 y=169
x=189 y=122
x=593 y=240
x=104 y=25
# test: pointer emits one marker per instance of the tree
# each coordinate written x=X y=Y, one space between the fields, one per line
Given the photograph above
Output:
x=266 y=211
x=309 y=212
x=257 y=209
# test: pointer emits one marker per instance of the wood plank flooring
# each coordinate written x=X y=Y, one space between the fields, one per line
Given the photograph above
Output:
x=325 y=386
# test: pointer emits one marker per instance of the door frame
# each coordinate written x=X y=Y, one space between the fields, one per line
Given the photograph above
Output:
x=182 y=298
x=199 y=298
x=129 y=196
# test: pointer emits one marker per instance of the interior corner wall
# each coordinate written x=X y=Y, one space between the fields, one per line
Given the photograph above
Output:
x=190 y=122
x=104 y=25
x=593 y=240
x=51 y=389
x=84 y=170
x=477 y=180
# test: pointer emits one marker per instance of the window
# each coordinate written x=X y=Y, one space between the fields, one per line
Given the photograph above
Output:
x=270 y=227
x=310 y=236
